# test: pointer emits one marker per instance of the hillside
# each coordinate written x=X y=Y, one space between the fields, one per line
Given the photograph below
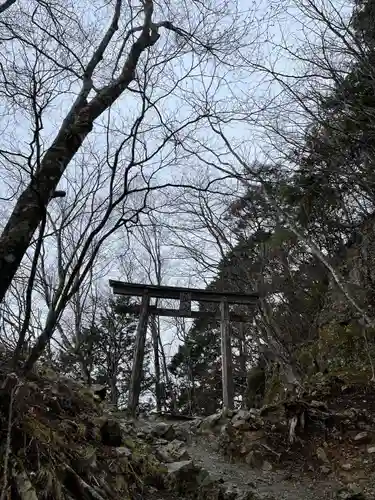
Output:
x=61 y=441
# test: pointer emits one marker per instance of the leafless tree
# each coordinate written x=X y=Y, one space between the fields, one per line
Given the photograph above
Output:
x=106 y=162
x=150 y=252
x=261 y=326
x=249 y=174
x=139 y=44
x=297 y=75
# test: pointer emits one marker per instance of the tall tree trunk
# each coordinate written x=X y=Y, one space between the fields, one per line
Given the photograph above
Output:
x=279 y=349
x=242 y=358
x=114 y=391
x=192 y=401
x=31 y=205
x=155 y=343
x=166 y=376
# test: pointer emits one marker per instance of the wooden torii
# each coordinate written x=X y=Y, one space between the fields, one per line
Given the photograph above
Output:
x=185 y=296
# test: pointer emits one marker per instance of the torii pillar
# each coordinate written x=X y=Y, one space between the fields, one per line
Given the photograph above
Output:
x=139 y=354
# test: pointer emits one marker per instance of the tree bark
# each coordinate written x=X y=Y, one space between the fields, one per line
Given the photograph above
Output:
x=226 y=353
x=5 y=6
x=155 y=343
x=32 y=203
x=136 y=376
x=114 y=391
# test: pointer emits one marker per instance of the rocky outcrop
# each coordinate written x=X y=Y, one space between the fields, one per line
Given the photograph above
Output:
x=356 y=265
x=307 y=436
x=330 y=448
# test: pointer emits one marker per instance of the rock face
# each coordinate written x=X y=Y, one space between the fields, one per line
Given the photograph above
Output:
x=356 y=266
x=307 y=435
x=340 y=344
x=171 y=452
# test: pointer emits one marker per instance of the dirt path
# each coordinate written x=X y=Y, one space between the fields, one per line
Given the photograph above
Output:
x=273 y=484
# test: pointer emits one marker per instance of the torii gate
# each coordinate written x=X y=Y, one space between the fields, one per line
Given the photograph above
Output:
x=185 y=296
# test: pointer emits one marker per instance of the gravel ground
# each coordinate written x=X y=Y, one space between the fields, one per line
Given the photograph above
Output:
x=277 y=484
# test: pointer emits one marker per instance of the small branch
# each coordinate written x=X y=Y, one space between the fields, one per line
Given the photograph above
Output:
x=29 y=291
x=59 y=194
x=83 y=486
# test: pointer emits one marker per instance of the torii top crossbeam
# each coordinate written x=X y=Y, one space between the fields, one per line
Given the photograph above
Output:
x=175 y=292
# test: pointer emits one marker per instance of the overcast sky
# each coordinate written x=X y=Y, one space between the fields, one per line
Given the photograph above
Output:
x=273 y=34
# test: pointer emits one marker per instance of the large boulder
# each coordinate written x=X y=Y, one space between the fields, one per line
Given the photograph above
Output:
x=174 y=451
x=194 y=482
x=213 y=422
x=182 y=476
x=164 y=430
